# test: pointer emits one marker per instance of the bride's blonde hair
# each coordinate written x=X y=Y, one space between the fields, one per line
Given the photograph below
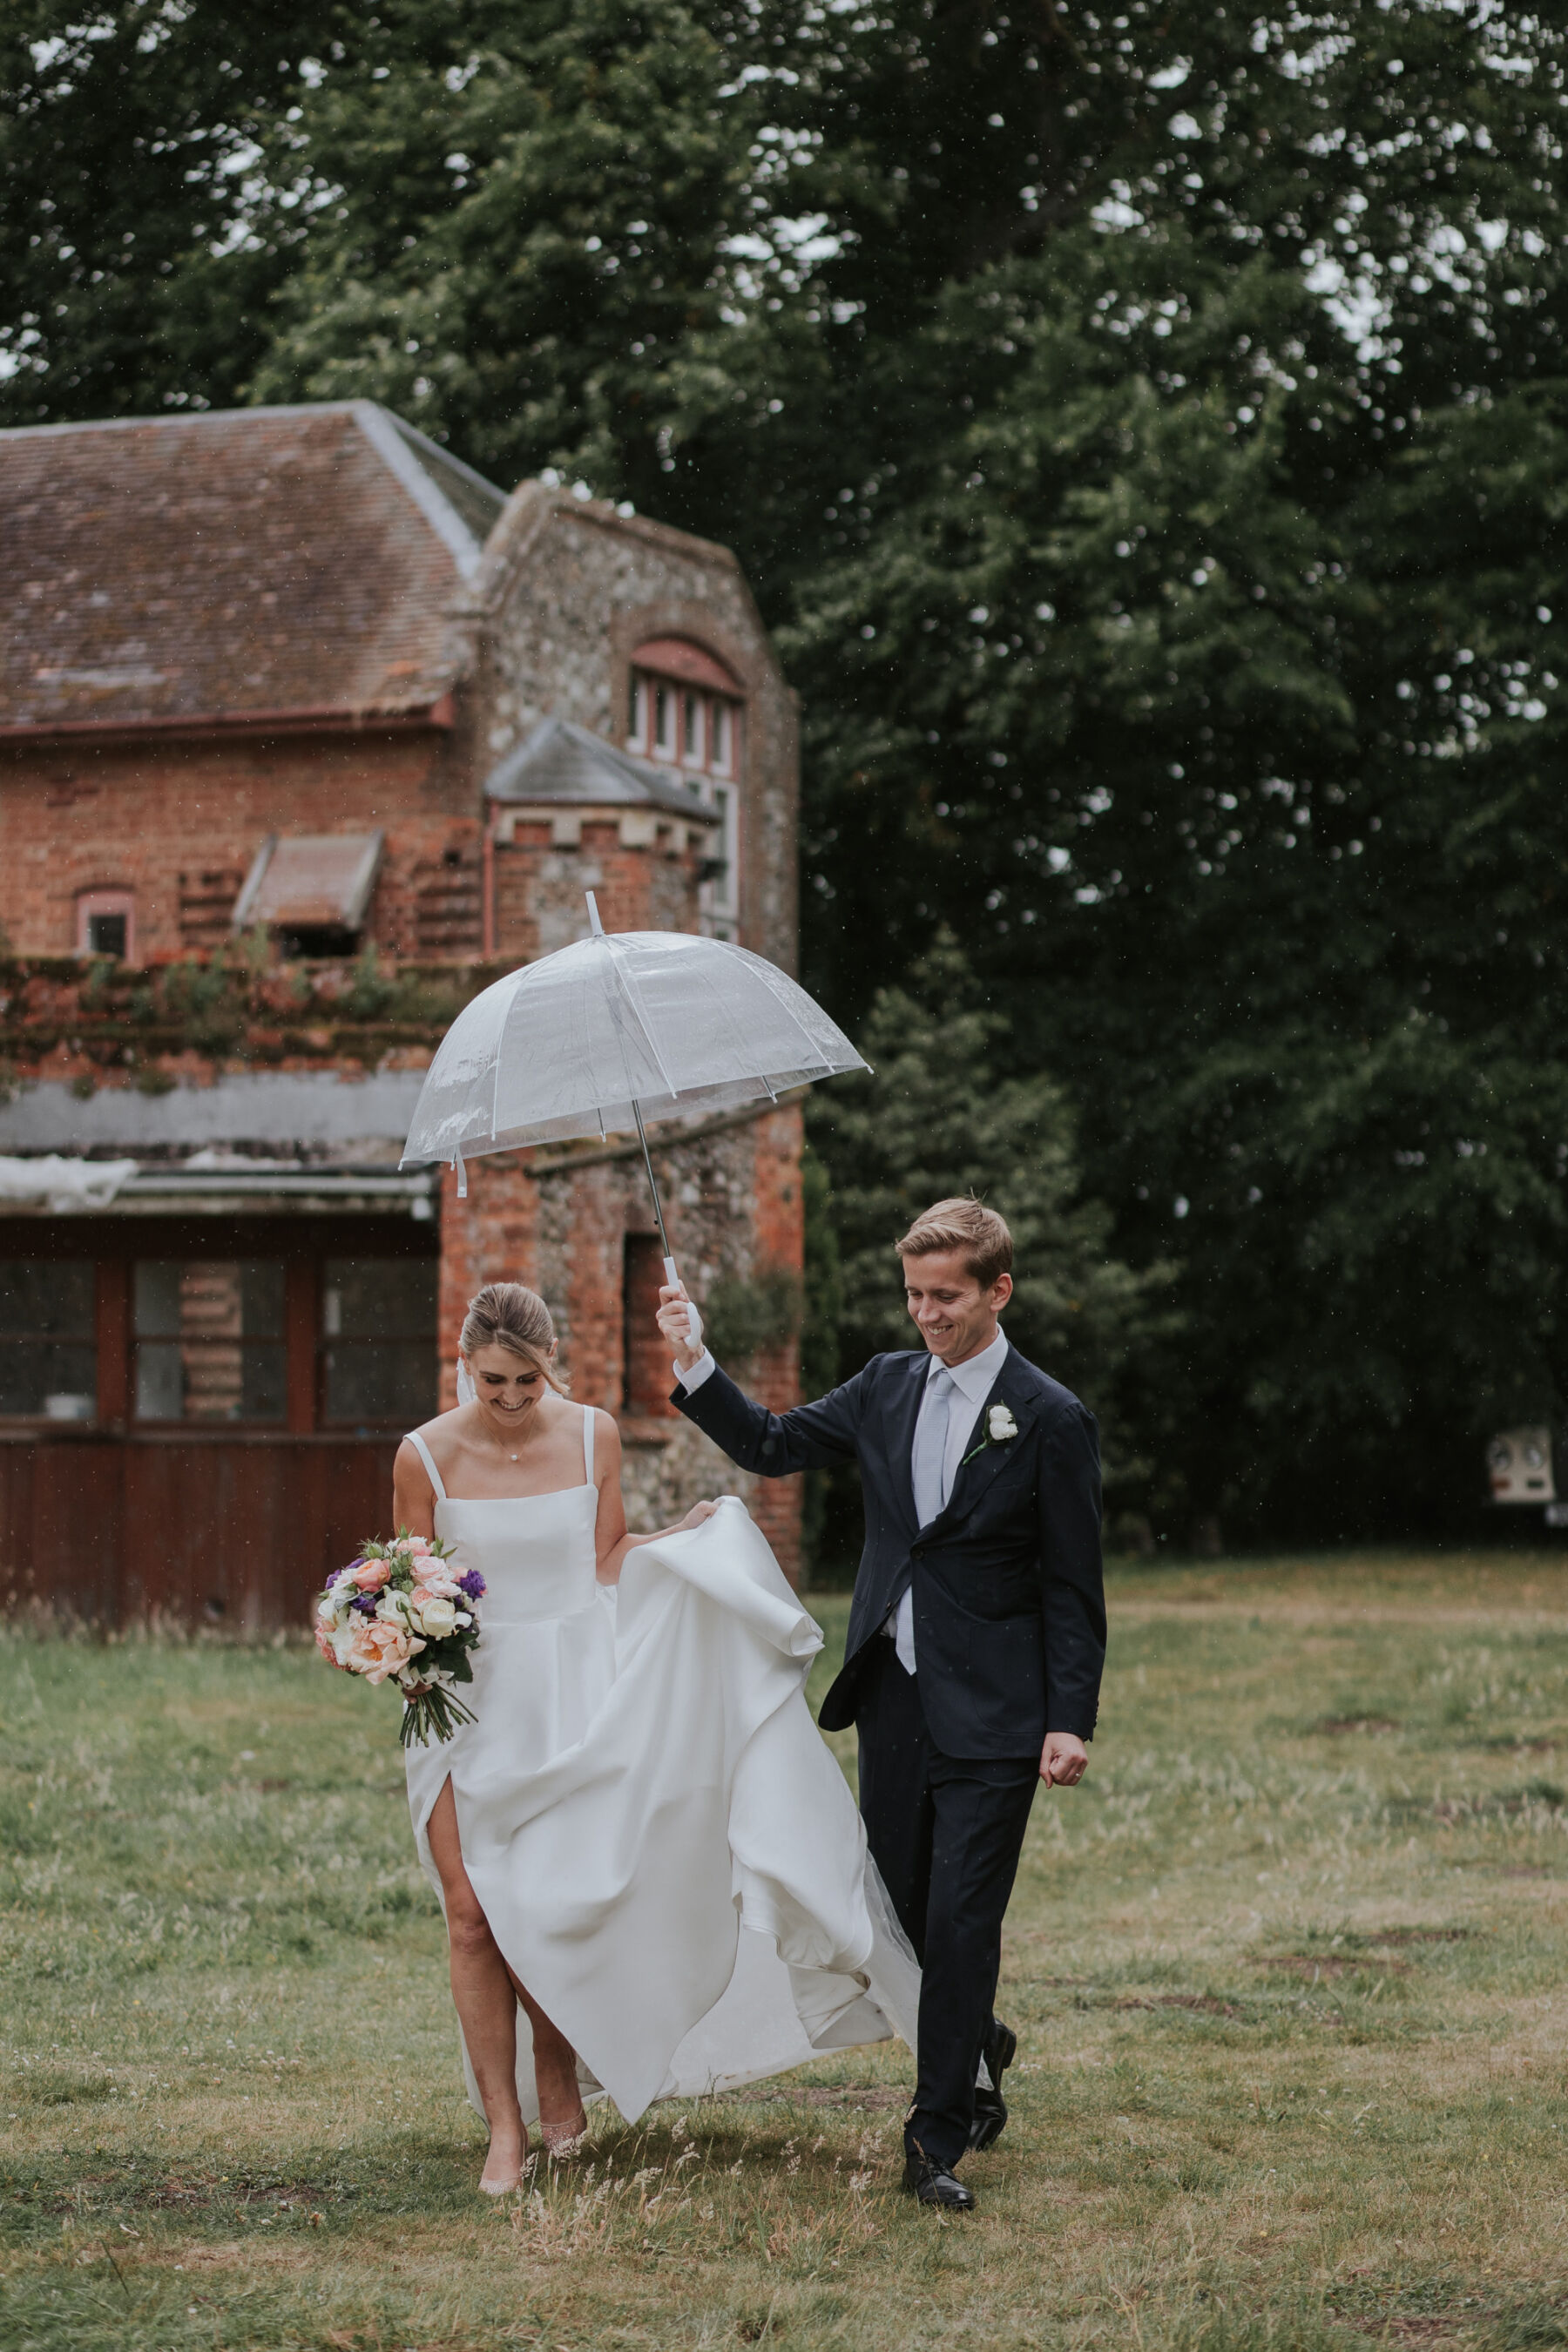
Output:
x=507 y=1315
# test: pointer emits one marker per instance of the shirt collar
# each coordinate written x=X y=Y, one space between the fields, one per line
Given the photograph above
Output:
x=977 y=1376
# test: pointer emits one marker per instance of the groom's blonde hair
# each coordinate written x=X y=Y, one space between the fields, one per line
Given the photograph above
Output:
x=967 y=1225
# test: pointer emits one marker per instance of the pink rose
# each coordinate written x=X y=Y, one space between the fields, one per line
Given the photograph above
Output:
x=380 y=1646
x=415 y=1543
x=373 y=1575
x=324 y=1643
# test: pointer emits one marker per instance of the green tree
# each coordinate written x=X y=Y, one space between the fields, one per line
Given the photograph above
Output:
x=141 y=233
x=935 y=1118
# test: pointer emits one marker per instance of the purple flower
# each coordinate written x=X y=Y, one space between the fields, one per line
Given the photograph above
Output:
x=473 y=1583
x=365 y=1603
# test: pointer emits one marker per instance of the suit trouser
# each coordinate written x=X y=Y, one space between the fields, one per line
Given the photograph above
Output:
x=946 y=1833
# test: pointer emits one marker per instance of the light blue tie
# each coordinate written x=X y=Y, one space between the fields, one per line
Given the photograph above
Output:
x=929 y=1468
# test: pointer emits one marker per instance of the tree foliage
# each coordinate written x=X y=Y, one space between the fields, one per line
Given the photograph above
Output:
x=935 y=1116
x=1148 y=433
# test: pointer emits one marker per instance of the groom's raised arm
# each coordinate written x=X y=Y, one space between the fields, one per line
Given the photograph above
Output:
x=774 y=1444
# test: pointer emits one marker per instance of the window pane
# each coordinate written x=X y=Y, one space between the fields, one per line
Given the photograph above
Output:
x=389 y=1381
x=692 y=727
x=261 y=1290
x=209 y=1340
x=719 y=717
x=379 y=1299
x=48 y=1377
x=263 y=1391
x=159 y=1381
x=378 y=1320
x=157 y=1298
x=106 y=936
x=48 y=1358
x=46 y=1297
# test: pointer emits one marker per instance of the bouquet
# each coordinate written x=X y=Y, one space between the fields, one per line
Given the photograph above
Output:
x=398 y=1614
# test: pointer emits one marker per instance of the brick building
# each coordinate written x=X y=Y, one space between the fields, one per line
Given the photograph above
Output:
x=307 y=731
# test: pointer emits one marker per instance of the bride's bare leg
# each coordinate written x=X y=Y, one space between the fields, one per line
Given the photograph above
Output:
x=484 y=1999
x=561 y=2118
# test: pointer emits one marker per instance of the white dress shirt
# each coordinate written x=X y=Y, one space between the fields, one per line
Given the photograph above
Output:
x=973 y=1380
x=692 y=1380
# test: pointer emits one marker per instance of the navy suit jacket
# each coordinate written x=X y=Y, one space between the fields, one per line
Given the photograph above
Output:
x=1009 y=1604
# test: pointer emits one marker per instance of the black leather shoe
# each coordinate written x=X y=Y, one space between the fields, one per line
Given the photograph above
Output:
x=934 y=2185
x=990 y=2106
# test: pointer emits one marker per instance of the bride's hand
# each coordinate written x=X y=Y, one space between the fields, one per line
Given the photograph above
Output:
x=698 y=1513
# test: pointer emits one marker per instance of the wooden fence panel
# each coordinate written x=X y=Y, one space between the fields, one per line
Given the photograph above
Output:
x=235 y=1532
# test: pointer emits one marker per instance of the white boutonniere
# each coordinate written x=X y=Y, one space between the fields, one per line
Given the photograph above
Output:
x=1000 y=1427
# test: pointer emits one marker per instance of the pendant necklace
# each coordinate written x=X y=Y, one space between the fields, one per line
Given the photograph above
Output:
x=501 y=1442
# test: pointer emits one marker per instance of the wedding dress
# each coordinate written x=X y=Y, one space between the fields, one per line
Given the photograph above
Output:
x=666 y=1853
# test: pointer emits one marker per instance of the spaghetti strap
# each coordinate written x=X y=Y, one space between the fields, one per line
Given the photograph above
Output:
x=587 y=1445
x=424 y=1452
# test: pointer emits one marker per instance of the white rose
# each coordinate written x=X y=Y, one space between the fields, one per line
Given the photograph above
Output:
x=394 y=1607
x=1002 y=1424
x=437 y=1618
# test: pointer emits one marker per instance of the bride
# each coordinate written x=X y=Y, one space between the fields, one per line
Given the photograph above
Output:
x=641 y=1840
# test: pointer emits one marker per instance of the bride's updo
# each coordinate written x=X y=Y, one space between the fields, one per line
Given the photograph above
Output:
x=507 y=1314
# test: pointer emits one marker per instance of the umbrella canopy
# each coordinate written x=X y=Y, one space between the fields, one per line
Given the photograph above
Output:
x=614 y=1029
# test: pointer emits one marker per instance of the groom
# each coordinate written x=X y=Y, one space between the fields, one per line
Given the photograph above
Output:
x=976 y=1633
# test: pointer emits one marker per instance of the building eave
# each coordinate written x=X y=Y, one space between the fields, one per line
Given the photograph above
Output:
x=439 y=717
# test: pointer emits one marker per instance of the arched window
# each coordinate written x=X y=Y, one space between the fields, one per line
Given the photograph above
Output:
x=685 y=713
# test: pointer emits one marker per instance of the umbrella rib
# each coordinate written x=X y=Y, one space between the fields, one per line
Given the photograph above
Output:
x=632 y=1002
x=766 y=977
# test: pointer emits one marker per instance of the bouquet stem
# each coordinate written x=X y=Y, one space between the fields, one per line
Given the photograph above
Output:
x=435 y=1710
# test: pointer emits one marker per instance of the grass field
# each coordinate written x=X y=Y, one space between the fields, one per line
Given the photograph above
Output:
x=1289 y=1973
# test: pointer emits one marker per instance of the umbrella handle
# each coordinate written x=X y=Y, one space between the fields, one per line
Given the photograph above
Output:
x=693 y=1317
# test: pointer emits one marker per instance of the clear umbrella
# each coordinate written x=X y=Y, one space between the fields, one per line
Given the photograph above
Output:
x=618 y=1028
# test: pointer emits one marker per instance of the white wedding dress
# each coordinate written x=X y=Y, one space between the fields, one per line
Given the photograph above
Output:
x=665 y=1852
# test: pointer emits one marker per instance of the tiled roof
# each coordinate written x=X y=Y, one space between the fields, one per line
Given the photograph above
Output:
x=559 y=762
x=247 y=561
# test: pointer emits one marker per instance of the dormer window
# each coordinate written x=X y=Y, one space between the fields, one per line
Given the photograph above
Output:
x=685 y=707
x=684 y=713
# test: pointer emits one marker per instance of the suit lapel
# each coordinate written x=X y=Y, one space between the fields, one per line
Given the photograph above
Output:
x=902 y=1414
x=975 y=1475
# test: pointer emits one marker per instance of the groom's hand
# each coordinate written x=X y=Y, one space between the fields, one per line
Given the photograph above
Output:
x=673 y=1323
x=1064 y=1760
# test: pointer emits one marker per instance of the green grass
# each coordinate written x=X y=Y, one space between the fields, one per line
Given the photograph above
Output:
x=1288 y=1975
